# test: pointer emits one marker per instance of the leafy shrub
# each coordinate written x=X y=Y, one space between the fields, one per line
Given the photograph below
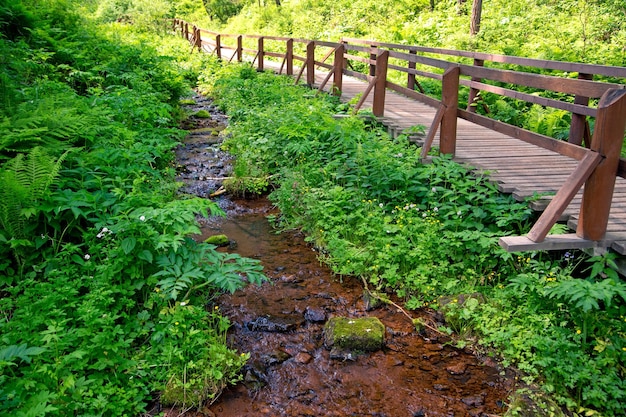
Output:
x=103 y=293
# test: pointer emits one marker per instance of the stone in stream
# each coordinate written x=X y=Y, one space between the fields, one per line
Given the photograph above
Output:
x=364 y=334
x=314 y=315
x=217 y=240
x=274 y=324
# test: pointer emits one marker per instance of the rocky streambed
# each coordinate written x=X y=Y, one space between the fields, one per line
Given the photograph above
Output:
x=293 y=371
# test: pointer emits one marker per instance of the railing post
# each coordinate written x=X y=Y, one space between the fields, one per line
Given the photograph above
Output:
x=239 y=48
x=218 y=46
x=310 y=63
x=186 y=31
x=607 y=141
x=198 y=43
x=471 y=107
x=579 y=128
x=261 y=54
x=345 y=49
x=450 y=101
x=338 y=71
x=373 y=57
x=410 y=83
x=289 y=57
x=378 y=107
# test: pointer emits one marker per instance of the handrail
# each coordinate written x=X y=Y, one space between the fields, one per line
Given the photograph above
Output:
x=599 y=163
x=606 y=70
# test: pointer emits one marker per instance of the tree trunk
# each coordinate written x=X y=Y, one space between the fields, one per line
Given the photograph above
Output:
x=477 y=8
x=432 y=5
x=278 y=2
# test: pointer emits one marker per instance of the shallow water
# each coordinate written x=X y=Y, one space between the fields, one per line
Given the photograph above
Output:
x=292 y=374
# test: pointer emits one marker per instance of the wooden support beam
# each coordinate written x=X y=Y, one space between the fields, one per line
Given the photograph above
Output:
x=380 y=88
x=261 y=55
x=579 y=124
x=218 y=46
x=366 y=93
x=338 y=70
x=473 y=94
x=410 y=82
x=239 y=48
x=289 y=57
x=450 y=100
x=564 y=196
x=373 y=63
x=310 y=63
x=607 y=140
x=428 y=142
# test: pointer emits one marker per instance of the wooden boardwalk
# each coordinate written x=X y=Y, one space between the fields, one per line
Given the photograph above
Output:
x=519 y=168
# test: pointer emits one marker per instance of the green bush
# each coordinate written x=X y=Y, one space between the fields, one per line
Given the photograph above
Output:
x=103 y=294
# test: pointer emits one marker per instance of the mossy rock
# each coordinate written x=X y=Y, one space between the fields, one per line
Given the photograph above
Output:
x=217 y=240
x=187 y=102
x=202 y=114
x=533 y=403
x=366 y=334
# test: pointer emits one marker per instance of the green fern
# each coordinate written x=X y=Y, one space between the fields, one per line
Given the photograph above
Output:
x=24 y=180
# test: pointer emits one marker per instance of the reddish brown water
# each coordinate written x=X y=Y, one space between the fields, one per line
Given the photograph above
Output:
x=290 y=372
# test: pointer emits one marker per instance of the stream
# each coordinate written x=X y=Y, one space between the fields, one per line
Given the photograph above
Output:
x=290 y=371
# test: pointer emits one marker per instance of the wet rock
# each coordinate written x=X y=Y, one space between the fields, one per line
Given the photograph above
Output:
x=303 y=358
x=457 y=369
x=473 y=401
x=217 y=240
x=254 y=376
x=273 y=324
x=314 y=315
x=371 y=302
x=342 y=354
x=275 y=358
x=441 y=387
x=202 y=114
x=365 y=334
x=533 y=404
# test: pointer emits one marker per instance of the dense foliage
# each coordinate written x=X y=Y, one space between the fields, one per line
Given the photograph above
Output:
x=428 y=234
x=591 y=31
x=105 y=298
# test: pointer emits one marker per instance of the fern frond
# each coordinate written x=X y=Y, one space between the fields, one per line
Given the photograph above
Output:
x=23 y=182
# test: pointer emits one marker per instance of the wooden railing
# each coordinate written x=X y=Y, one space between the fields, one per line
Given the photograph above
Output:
x=599 y=162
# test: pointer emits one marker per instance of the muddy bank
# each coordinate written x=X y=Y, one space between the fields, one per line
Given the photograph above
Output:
x=291 y=372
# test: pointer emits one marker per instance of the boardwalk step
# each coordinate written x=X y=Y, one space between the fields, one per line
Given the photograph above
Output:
x=551 y=242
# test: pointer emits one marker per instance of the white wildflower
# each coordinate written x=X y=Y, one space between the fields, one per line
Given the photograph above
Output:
x=142 y=218
x=87 y=256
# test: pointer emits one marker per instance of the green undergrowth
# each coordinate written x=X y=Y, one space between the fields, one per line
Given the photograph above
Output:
x=105 y=300
x=427 y=233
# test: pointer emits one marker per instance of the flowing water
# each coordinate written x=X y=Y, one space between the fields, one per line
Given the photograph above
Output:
x=291 y=372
